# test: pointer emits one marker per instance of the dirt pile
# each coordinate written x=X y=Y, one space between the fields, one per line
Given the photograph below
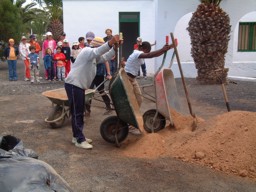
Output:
x=226 y=143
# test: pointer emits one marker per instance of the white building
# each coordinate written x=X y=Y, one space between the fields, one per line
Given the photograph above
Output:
x=153 y=20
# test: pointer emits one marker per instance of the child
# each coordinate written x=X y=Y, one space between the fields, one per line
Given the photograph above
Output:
x=136 y=59
x=48 y=64
x=33 y=58
x=60 y=58
x=11 y=54
x=67 y=52
x=24 y=51
x=80 y=78
x=75 y=51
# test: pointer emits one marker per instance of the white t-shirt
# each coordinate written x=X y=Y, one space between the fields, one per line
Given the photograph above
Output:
x=134 y=62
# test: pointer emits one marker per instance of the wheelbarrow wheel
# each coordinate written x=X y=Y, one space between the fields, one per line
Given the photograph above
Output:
x=113 y=128
x=148 y=119
x=54 y=114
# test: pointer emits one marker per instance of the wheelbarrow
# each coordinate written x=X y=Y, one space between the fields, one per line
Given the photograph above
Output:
x=166 y=98
x=114 y=129
x=60 y=110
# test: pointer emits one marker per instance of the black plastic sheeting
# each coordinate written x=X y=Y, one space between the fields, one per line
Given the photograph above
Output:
x=21 y=172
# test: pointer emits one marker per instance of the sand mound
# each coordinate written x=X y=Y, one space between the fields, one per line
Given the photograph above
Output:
x=226 y=142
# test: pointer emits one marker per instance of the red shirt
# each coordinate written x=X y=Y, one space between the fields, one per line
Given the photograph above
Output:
x=60 y=58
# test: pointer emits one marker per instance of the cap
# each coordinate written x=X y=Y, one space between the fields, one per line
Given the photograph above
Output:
x=139 y=39
x=65 y=41
x=23 y=38
x=63 y=34
x=32 y=36
x=48 y=33
x=97 y=41
x=89 y=35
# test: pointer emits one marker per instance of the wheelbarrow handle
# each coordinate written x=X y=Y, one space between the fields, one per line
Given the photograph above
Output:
x=101 y=84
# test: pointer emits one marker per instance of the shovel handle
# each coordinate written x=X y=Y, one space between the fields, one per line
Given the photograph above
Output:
x=225 y=96
x=181 y=74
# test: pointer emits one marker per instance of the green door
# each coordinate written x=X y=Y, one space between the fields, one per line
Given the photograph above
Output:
x=129 y=25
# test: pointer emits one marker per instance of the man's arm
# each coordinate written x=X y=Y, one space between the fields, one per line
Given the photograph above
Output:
x=156 y=53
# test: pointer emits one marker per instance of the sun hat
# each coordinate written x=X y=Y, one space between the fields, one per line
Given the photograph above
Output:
x=11 y=40
x=59 y=43
x=48 y=33
x=23 y=38
x=75 y=43
x=97 y=41
x=89 y=35
x=32 y=36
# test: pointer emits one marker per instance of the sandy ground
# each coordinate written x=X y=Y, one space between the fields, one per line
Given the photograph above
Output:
x=107 y=168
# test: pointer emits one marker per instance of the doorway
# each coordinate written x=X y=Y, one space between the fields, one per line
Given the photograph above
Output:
x=129 y=25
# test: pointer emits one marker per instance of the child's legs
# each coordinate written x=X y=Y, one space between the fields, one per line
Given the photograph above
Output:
x=63 y=71
x=37 y=74
x=67 y=68
x=14 y=64
x=59 y=73
x=32 y=72
x=10 y=68
x=55 y=70
x=50 y=73
x=27 y=70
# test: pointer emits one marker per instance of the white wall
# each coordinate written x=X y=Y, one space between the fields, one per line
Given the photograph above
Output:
x=83 y=16
x=243 y=57
x=236 y=12
x=158 y=19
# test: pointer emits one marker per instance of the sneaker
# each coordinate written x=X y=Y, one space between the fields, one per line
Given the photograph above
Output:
x=74 y=140
x=84 y=145
x=134 y=130
x=26 y=79
x=145 y=77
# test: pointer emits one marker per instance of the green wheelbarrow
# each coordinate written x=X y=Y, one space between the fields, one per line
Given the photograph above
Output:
x=114 y=129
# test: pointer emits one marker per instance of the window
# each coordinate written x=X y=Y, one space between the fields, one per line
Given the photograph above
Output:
x=247 y=37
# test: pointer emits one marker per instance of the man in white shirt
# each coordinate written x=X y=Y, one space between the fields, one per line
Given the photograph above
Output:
x=136 y=59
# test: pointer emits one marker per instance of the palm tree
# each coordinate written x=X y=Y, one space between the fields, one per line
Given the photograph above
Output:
x=209 y=30
x=54 y=9
x=29 y=14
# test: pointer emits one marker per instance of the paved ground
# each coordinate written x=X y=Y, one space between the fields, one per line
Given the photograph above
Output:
x=104 y=168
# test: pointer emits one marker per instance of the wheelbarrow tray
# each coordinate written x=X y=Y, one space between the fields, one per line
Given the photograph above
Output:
x=59 y=96
x=124 y=100
x=166 y=93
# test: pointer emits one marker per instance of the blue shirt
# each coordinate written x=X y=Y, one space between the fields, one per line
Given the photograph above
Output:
x=47 y=61
x=33 y=57
x=101 y=69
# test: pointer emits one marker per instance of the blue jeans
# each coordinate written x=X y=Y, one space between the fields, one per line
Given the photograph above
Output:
x=112 y=66
x=144 y=70
x=76 y=103
x=12 y=70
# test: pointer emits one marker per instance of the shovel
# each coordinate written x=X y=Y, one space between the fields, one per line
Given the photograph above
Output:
x=194 y=125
